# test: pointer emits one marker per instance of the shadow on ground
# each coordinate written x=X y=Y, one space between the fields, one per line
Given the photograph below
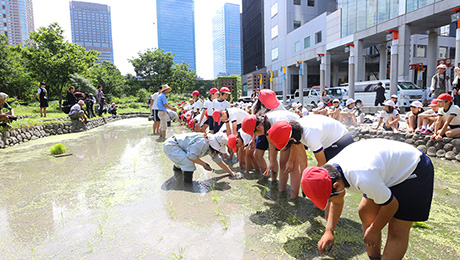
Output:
x=176 y=182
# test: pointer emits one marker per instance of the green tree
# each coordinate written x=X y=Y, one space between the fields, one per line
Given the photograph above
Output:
x=52 y=59
x=183 y=78
x=154 y=66
x=108 y=76
x=82 y=84
x=132 y=85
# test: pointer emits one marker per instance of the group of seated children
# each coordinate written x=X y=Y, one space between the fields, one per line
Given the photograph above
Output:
x=346 y=114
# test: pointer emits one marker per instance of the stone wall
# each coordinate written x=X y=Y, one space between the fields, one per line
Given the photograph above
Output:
x=448 y=148
x=17 y=136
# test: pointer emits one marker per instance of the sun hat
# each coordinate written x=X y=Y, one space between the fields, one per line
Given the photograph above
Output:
x=336 y=100
x=225 y=90
x=441 y=66
x=268 y=98
x=389 y=103
x=195 y=93
x=317 y=185
x=320 y=105
x=218 y=142
x=444 y=97
x=349 y=101
x=434 y=103
x=81 y=102
x=232 y=142
x=249 y=124
x=246 y=137
x=165 y=87
x=216 y=115
x=417 y=104
x=394 y=96
x=279 y=134
x=213 y=90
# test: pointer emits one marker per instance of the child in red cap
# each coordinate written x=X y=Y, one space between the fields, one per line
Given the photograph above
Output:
x=396 y=181
x=448 y=122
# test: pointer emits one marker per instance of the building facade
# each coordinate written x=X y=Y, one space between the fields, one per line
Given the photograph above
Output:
x=17 y=20
x=91 y=26
x=176 y=30
x=226 y=26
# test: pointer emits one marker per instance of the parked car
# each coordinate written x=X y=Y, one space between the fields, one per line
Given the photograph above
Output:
x=310 y=96
x=245 y=99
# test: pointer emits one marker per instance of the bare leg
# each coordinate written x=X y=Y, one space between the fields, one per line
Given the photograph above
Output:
x=398 y=239
x=453 y=133
x=368 y=211
x=260 y=160
x=295 y=179
x=44 y=111
x=283 y=177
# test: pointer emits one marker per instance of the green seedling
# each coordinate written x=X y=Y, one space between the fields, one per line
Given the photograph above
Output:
x=179 y=254
x=217 y=211
x=225 y=222
x=32 y=252
x=215 y=198
x=99 y=226
x=171 y=210
x=418 y=224
x=90 y=247
x=58 y=149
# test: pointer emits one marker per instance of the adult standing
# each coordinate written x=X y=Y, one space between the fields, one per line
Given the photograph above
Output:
x=440 y=82
x=162 y=105
x=154 y=109
x=379 y=94
x=41 y=95
x=456 y=86
x=100 y=100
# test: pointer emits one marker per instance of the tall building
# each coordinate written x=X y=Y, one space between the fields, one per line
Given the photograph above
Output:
x=17 y=20
x=176 y=29
x=227 y=41
x=92 y=28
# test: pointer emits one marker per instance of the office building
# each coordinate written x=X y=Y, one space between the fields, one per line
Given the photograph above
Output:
x=92 y=28
x=176 y=30
x=227 y=41
x=17 y=20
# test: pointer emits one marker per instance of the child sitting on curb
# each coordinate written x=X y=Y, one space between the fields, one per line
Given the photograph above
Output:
x=390 y=116
x=448 y=122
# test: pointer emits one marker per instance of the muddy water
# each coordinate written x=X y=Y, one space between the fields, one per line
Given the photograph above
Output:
x=116 y=197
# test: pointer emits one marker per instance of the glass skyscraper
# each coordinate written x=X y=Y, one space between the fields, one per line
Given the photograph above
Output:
x=92 y=28
x=176 y=29
x=17 y=20
x=226 y=29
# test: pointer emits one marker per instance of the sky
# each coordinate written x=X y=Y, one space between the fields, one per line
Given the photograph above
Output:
x=134 y=28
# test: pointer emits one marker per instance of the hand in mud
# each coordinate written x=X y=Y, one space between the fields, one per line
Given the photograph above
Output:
x=207 y=167
x=270 y=168
x=289 y=167
x=326 y=242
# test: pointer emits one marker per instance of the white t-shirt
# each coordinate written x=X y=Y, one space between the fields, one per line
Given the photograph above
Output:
x=385 y=115
x=281 y=115
x=221 y=105
x=209 y=105
x=453 y=110
x=304 y=112
x=321 y=132
x=246 y=138
x=373 y=166
x=236 y=115
x=154 y=97
x=197 y=106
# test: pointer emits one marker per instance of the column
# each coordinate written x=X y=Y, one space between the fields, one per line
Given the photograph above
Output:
x=335 y=75
x=394 y=64
x=359 y=62
x=300 y=63
x=328 y=68
x=351 y=73
x=383 y=61
x=457 y=45
x=322 y=75
x=431 y=55
x=404 y=52
x=283 y=71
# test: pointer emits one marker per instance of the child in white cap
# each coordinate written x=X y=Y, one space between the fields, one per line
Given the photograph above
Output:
x=412 y=121
x=390 y=116
x=348 y=113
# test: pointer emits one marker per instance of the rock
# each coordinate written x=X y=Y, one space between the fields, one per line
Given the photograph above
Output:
x=2 y=144
x=457 y=157
x=448 y=147
x=456 y=149
x=409 y=141
x=422 y=148
x=455 y=142
x=447 y=140
x=440 y=153
x=427 y=138
x=387 y=137
x=409 y=136
x=419 y=142
x=372 y=132
x=28 y=135
x=59 y=131
x=439 y=145
x=19 y=138
x=14 y=140
x=364 y=131
x=34 y=137
x=430 y=143
x=7 y=134
x=431 y=151
x=450 y=155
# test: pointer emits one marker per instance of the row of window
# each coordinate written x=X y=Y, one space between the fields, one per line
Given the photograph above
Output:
x=443 y=52
x=274 y=8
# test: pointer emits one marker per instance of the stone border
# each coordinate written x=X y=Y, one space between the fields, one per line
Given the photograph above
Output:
x=17 y=136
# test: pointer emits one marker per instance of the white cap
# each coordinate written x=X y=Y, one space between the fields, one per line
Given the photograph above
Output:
x=441 y=66
x=416 y=104
x=389 y=103
x=81 y=102
x=336 y=100
x=394 y=96
x=349 y=101
x=320 y=105
x=246 y=138
x=218 y=142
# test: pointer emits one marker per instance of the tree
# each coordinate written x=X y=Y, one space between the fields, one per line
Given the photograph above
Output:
x=82 y=84
x=52 y=59
x=108 y=76
x=154 y=66
x=183 y=78
x=132 y=85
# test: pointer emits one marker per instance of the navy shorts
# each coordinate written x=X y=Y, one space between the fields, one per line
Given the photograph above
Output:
x=338 y=146
x=238 y=127
x=415 y=194
x=156 y=118
x=262 y=142
x=210 y=122
x=454 y=126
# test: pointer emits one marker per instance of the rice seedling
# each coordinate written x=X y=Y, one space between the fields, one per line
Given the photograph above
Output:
x=32 y=252
x=90 y=247
x=179 y=254
x=224 y=222
x=217 y=211
x=171 y=210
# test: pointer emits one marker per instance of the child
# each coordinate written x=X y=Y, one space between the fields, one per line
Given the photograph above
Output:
x=348 y=113
x=390 y=117
x=208 y=109
x=428 y=118
x=412 y=120
x=448 y=121
x=334 y=110
x=221 y=103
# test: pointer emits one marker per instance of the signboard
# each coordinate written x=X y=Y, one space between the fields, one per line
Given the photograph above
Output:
x=455 y=17
x=447 y=62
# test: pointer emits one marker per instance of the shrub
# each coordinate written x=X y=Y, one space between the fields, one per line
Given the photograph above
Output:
x=58 y=149
x=134 y=105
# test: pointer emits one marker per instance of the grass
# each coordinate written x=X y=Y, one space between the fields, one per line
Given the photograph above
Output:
x=58 y=149
x=171 y=210
x=224 y=222
x=217 y=211
x=179 y=254
x=90 y=247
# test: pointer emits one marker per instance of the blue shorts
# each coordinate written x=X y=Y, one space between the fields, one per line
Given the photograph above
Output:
x=262 y=142
x=415 y=193
x=238 y=127
x=156 y=118
x=217 y=126
x=210 y=122
x=338 y=146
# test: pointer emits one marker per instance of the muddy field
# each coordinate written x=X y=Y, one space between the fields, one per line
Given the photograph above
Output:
x=115 y=196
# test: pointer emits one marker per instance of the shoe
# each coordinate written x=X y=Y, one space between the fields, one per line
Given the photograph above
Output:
x=428 y=132
x=175 y=168
x=188 y=177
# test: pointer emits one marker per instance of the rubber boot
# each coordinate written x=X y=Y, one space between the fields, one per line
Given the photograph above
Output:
x=176 y=169
x=188 y=177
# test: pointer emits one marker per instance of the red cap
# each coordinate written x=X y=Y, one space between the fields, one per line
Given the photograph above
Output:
x=181 y=116
x=268 y=98
x=213 y=90
x=249 y=124
x=183 y=101
x=445 y=97
x=232 y=142
x=317 y=185
x=216 y=115
x=191 y=122
x=188 y=116
x=279 y=134
x=196 y=93
x=225 y=90
x=434 y=102
x=179 y=104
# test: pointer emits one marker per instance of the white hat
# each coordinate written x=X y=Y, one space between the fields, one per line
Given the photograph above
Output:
x=349 y=101
x=394 y=96
x=416 y=104
x=246 y=138
x=81 y=102
x=320 y=105
x=389 y=103
x=218 y=142
x=441 y=66
x=336 y=100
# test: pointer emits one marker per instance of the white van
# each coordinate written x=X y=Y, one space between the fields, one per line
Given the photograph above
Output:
x=310 y=96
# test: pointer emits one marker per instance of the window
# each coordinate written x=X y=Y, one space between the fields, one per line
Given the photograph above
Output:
x=275 y=53
x=311 y=2
x=442 y=52
x=297 y=24
x=274 y=31
x=306 y=42
x=297 y=46
x=297 y=2
x=318 y=37
x=274 y=9
x=420 y=51
x=444 y=30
